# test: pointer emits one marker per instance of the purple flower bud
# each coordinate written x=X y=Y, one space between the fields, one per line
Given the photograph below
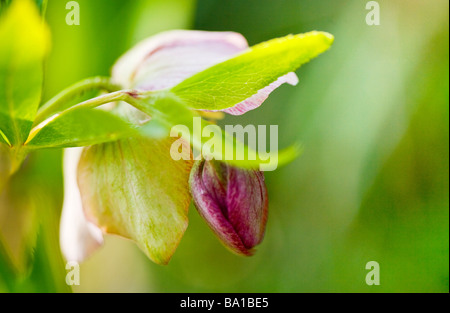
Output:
x=233 y=201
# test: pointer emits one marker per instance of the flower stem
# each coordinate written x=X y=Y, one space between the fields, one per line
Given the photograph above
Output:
x=129 y=96
x=44 y=8
x=59 y=102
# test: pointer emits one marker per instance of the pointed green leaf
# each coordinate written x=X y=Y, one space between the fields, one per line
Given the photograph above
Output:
x=25 y=41
x=80 y=127
x=233 y=81
x=133 y=188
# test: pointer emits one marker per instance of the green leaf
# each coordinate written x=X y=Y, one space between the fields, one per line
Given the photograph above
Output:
x=231 y=82
x=25 y=41
x=80 y=127
x=171 y=114
x=134 y=189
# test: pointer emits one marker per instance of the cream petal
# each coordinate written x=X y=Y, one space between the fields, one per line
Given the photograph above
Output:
x=164 y=60
x=78 y=237
x=132 y=188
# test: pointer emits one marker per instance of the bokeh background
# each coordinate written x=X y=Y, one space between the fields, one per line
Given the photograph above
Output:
x=372 y=184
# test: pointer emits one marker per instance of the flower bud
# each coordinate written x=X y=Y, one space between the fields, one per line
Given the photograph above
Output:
x=233 y=201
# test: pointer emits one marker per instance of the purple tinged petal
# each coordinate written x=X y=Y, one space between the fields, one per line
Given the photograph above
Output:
x=233 y=202
x=214 y=176
x=247 y=204
x=209 y=209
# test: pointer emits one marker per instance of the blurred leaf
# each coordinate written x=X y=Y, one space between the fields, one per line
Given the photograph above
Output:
x=35 y=189
x=18 y=221
x=80 y=127
x=25 y=42
x=48 y=270
x=42 y=5
x=3 y=5
x=404 y=218
x=5 y=164
x=133 y=188
x=10 y=160
x=7 y=278
x=228 y=83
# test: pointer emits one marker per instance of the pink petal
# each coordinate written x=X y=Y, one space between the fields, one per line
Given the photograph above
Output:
x=78 y=237
x=165 y=60
x=256 y=100
x=247 y=205
x=209 y=208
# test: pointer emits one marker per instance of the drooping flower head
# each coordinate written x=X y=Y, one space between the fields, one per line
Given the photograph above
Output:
x=132 y=188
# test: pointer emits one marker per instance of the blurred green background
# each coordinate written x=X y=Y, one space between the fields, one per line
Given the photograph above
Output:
x=372 y=184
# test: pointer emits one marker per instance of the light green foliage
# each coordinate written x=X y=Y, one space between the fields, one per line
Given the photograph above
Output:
x=30 y=204
x=25 y=42
x=18 y=221
x=80 y=127
x=230 y=82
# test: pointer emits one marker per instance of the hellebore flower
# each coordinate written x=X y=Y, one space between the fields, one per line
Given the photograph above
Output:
x=133 y=188
x=233 y=202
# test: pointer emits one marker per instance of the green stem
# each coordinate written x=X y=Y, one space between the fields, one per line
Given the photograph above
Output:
x=44 y=8
x=129 y=96
x=60 y=102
